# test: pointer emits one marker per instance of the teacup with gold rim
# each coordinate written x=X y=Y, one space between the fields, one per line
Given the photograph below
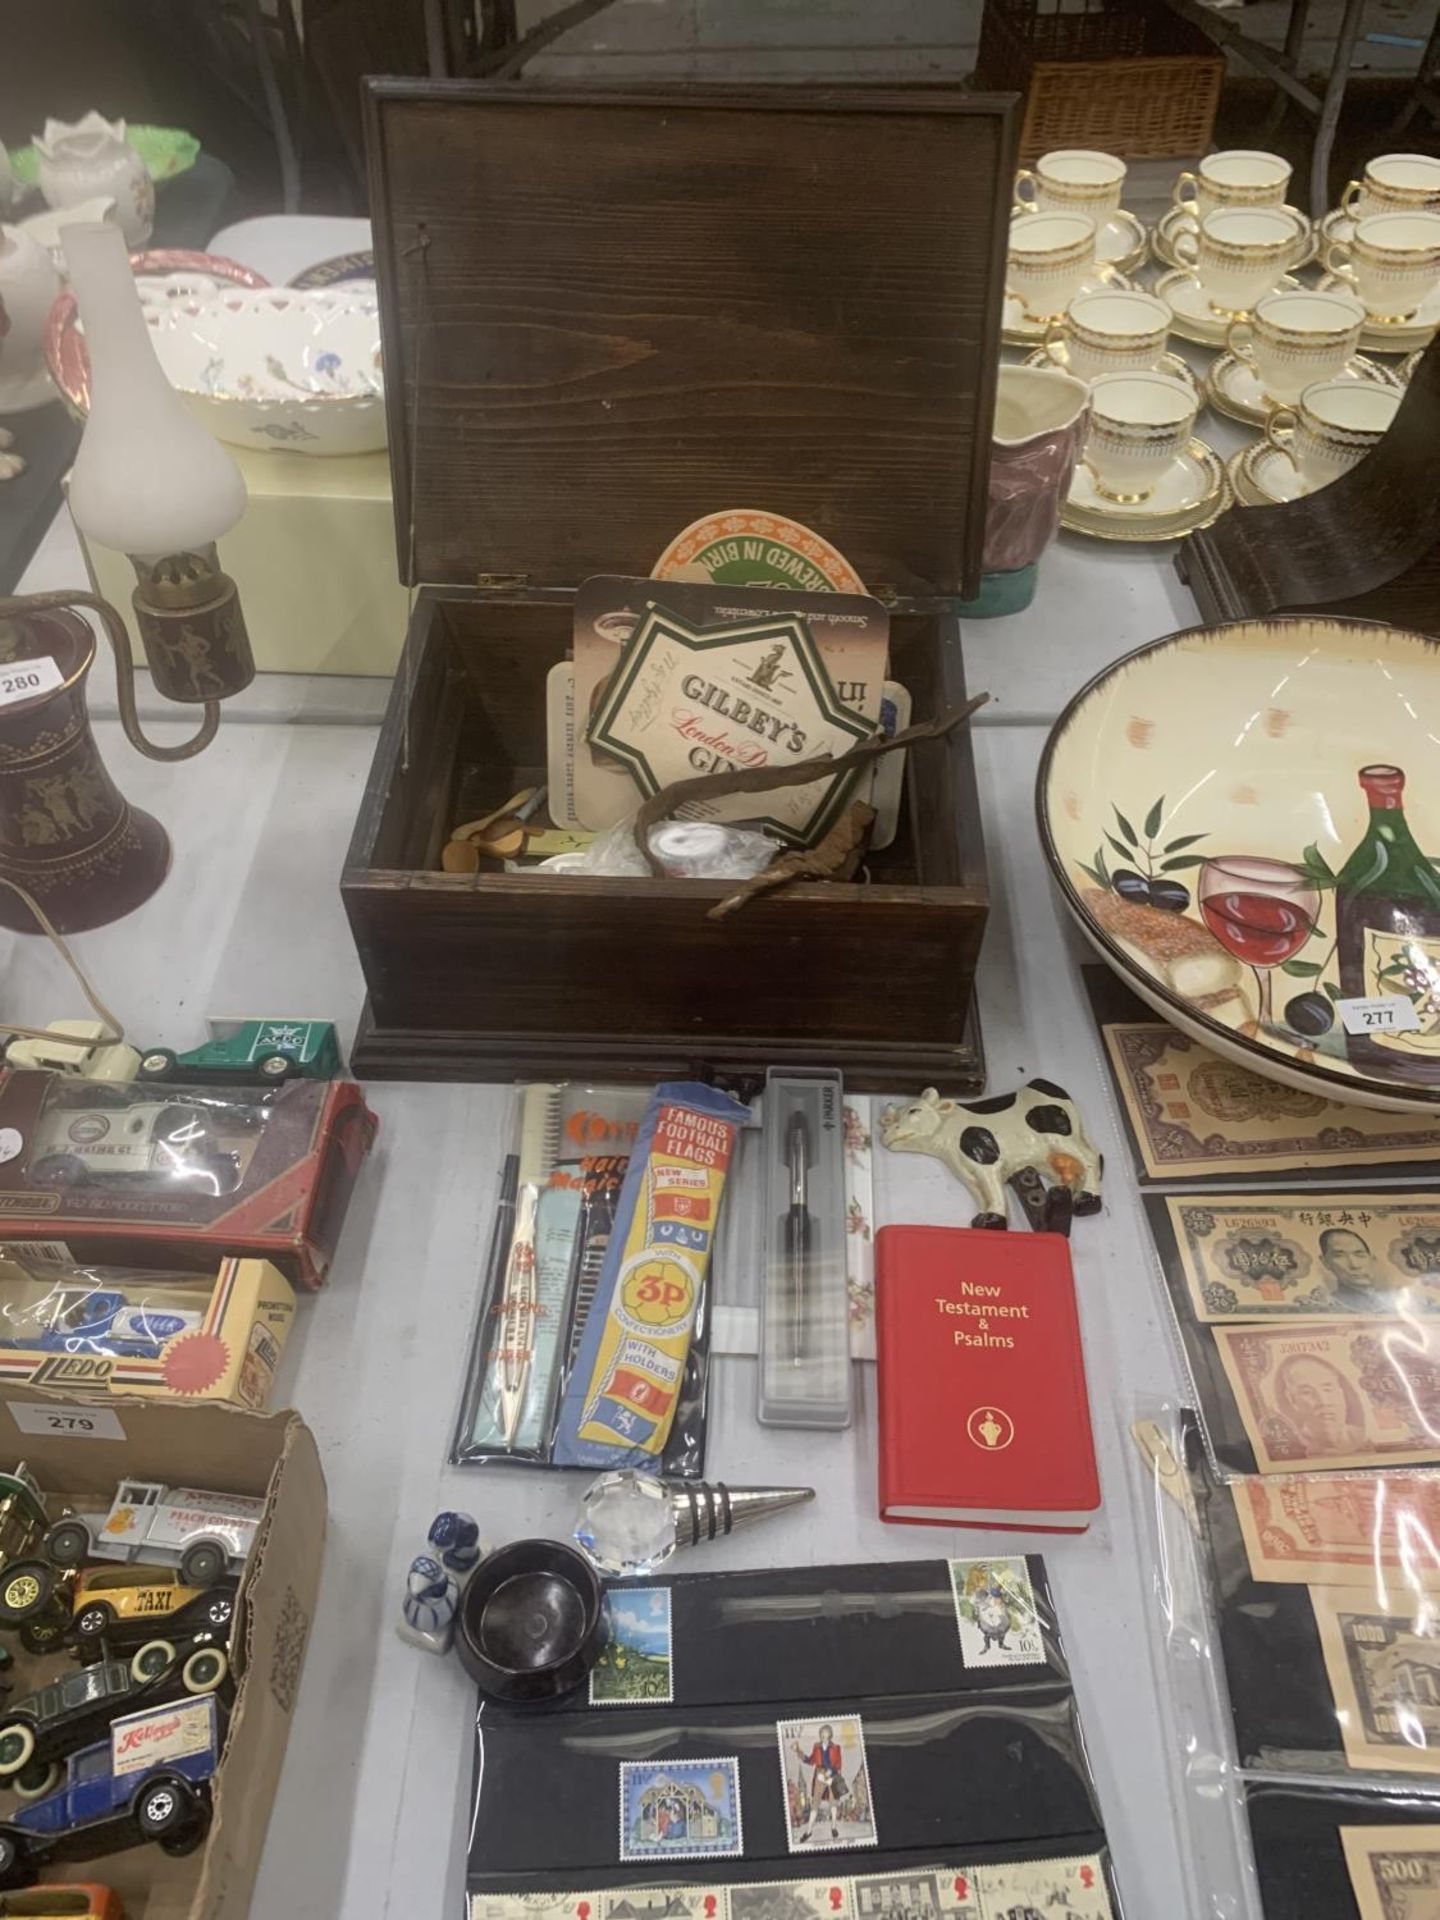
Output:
x=1294 y=338
x=1139 y=426
x=1051 y=255
x=1238 y=254
x=1331 y=427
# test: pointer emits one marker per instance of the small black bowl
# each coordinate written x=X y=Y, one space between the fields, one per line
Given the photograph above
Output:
x=532 y=1621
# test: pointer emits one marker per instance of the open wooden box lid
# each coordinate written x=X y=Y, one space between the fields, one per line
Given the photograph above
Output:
x=607 y=313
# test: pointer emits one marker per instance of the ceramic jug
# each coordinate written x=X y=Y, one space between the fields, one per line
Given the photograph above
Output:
x=1039 y=427
x=28 y=286
x=93 y=157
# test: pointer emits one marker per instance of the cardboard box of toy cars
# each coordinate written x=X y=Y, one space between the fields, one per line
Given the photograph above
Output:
x=178 y=1177
x=203 y=1336
x=77 y=1450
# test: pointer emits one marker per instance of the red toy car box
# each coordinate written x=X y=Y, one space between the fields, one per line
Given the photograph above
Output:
x=172 y=1177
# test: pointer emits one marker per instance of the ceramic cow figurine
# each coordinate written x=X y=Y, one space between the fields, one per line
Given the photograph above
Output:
x=1020 y=1138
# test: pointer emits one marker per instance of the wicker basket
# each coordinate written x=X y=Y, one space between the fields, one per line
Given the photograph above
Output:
x=1121 y=75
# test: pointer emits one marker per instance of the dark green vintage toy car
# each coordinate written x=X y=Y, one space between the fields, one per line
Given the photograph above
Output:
x=250 y=1053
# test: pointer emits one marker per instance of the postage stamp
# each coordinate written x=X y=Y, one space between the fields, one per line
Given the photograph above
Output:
x=666 y=1903
x=534 y=1906
x=680 y=1809
x=635 y=1666
x=995 y=1614
x=827 y=1784
x=793 y=1900
x=918 y=1893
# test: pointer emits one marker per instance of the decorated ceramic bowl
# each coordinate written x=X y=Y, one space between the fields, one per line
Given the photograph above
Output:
x=1242 y=820
x=273 y=366
x=65 y=338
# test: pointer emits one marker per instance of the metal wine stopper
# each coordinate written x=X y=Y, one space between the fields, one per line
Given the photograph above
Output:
x=630 y=1523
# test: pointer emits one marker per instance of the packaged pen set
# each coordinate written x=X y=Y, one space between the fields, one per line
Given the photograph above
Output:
x=804 y=1370
x=591 y=1341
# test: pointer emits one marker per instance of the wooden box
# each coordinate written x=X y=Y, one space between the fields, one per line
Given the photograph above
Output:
x=604 y=315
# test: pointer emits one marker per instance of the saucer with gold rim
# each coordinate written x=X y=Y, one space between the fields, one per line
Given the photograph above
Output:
x=1122 y=240
x=1180 y=219
x=1020 y=329
x=1263 y=476
x=1191 y=314
x=1233 y=388
x=1192 y=493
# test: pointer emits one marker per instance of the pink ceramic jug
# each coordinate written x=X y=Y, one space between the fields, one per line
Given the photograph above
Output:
x=1039 y=428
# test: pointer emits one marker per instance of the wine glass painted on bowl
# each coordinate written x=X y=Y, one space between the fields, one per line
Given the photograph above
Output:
x=1262 y=911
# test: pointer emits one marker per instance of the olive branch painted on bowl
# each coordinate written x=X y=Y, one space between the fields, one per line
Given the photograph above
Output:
x=1148 y=878
x=1145 y=880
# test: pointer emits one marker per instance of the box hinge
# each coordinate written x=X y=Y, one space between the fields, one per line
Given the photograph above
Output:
x=502 y=582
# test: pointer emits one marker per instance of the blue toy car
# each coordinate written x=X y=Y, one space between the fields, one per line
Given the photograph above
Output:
x=149 y=1780
x=85 y=1319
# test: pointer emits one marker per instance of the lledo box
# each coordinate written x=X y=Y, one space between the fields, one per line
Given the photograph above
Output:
x=605 y=314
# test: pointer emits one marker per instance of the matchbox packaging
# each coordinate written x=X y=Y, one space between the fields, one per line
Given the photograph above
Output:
x=178 y=1178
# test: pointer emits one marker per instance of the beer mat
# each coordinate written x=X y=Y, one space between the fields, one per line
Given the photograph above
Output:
x=1190 y=1116
x=851 y=630
x=1324 y=1679
x=748 y=547
x=1302 y=1861
x=749 y=695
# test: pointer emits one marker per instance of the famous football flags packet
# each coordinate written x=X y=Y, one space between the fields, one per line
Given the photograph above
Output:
x=621 y=1397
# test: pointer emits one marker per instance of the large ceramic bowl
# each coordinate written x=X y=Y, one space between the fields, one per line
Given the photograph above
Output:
x=65 y=352
x=1241 y=820
x=273 y=366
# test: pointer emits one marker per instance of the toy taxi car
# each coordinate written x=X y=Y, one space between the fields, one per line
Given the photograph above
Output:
x=122 y=1606
x=149 y=1780
x=77 y=1047
x=78 y=1902
x=251 y=1052
x=38 y=1731
x=169 y=1140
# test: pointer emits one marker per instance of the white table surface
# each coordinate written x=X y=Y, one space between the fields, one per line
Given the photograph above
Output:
x=372 y=1810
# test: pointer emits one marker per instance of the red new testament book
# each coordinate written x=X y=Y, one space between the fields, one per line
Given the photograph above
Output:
x=984 y=1416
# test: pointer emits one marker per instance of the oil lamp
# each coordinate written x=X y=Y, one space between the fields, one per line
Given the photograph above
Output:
x=152 y=482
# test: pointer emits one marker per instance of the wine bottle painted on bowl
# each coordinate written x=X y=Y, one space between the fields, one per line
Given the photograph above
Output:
x=1387 y=922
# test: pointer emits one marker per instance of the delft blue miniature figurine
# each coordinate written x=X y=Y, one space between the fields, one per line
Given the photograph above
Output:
x=456 y=1538
x=435 y=1580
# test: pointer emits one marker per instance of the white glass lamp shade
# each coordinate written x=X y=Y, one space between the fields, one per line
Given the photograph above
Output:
x=148 y=479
